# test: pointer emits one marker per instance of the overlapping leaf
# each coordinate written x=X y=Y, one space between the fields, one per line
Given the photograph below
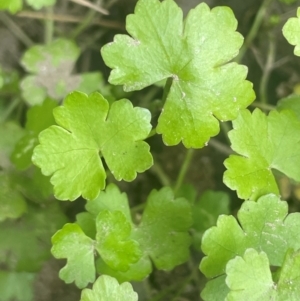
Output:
x=291 y=31
x=107 y=288
x=249 y=278
x=13 y=6
x=126 y=249
x=264 y=226
x=264 y=143
x=51 y=73
x=86 y=128
x=39 y=117
x=70 y=242
x=194 y=56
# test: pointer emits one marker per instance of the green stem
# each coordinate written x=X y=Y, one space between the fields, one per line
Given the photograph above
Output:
x=16 y=30
x=10 y=109
x=49 y=25
x=225 y=127
x=167 y=89
x=254 y=29
x=266 y=72
x=219 y=146
x=152 y=133
x=263 y=106
x=184 y=168
x=84 y=24
x=162 y=176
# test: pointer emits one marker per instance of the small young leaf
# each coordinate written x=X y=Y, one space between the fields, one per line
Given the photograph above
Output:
x=194 y=55
x=265 y=226
x=249 y=278
x=70 y=242
x=107 y=288
x=264 y=142
x=113 y=240
x=16 y=286
x=39 y=117
x=291 y=31
x=87 y=127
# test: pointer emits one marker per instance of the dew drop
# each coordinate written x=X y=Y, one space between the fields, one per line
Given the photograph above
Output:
x=206 y=143
x=234 y=99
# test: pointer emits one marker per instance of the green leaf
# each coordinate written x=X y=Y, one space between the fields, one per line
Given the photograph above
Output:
x=205 y=87
x=39 y=117
x=215 y=290
x=291 y=102
x=206 y=212
x=113 y=240
x=16 y=286
x=264 y=226
x=86 y=222
x=25 y=243
x=264 y=143
x=291 y=31
x=87 y=128
x=12 y=6
x=249 y=278
x=107 y=288
x=10 y=133
x=70 y=242
x=38 y=4
x=163 y=231
x=12 y=203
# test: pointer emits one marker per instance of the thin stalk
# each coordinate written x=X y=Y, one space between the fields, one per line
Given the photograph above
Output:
x=263 y=106
x=84 y=24
x=152 y=133
x=219 y=146
x=16 y=30
x=184 y=168
x=266 y=72
x=254 y=29
x=49 y=25
x=10 y=109
x=225 y=127
x=161 y=175
x=167 y=89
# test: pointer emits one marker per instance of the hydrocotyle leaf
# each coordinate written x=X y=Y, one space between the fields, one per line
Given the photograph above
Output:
x=107 y=288
x=194 y=56
x=38 y=4
x=70 y=242
x=12 y=6
x=249 y=278
x=87 y=128
x=263 y=225
x=291 y=31
x=264 y=143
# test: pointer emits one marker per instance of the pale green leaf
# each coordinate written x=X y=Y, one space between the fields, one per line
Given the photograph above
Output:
x=107 y=288
x=113 y=240
x=264 y=143
x=291 y=31
x=194 y=55
x=70 y=242
x=86 y=128
x=249 y=278
x=264 y=226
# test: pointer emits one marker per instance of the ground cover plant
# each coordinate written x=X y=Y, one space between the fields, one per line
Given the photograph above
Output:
x=164 y=168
